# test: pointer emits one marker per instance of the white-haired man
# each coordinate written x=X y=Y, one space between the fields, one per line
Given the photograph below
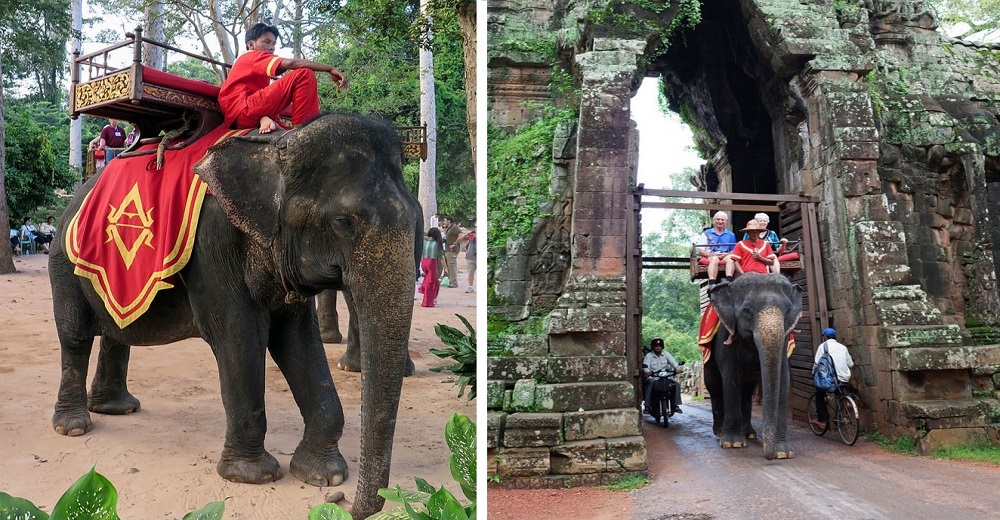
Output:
x=714 y=244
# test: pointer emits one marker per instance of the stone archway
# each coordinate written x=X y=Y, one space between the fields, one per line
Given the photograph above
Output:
x=818 y=103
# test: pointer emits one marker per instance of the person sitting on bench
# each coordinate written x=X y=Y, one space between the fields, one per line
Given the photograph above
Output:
x=777 y=245
x=714 y=244
x=249 y=99
x=752 y=255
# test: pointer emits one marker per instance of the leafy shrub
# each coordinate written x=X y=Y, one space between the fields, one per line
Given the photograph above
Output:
x=93 y=497
x=461 y=348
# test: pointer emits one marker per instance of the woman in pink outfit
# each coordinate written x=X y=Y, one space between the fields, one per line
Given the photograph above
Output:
x=432 y=254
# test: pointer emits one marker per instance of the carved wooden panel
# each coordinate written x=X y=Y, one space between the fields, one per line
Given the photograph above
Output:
x=180 y=98
x=104 y=89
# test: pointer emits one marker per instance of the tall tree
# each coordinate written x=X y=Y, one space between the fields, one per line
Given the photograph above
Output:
x=6 y=261
x=977 y=20
x=427 y=188
x=25 y=52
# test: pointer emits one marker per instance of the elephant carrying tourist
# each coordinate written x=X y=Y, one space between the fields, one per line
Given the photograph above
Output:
x=291 y=214
x=759 y=311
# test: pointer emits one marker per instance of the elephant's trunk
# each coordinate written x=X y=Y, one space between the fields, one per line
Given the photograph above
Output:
x=769 y=335
x=382 y=291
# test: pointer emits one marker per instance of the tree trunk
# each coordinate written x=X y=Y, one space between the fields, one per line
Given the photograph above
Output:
x=75 y=125
x=153 y=55
x=6 y=261
x=427 y=190
x=467 y=24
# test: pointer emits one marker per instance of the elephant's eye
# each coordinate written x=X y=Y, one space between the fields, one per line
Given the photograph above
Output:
x=746 y=313
x=344 y=226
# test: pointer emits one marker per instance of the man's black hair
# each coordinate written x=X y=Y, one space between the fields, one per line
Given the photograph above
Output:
x=258 y=30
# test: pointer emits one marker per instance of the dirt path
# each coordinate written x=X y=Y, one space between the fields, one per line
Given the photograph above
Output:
x=692 y=478
x=162 y=459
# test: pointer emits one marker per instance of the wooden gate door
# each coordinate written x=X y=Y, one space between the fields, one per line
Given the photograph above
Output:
x=633 y=290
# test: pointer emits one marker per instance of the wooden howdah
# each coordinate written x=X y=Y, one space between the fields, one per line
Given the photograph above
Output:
x=158 y=102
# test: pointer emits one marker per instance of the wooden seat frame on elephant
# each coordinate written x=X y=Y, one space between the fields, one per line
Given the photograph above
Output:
x=700 y=272
x=156 y=101
x=153 y=100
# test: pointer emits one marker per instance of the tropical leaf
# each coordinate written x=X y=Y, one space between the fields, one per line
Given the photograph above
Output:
x=211 y=511
x=330 y=511
x=460 y=434
x=92 y=497
x=19 y=509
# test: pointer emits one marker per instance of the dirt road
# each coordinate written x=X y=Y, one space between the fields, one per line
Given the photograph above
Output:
x=162 y=459
x=692 y=478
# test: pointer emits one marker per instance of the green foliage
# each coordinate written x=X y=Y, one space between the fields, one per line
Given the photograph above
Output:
x=994 y=415
x=37 y=31
x=904 y=444
x=382 y=63
x=642 y=18
x=461 y=348
x=976 y=20
x=36 y=164
x=981 y=452
x=629 y=483
x=193 y=69
x=460 y=434
x=518 y=176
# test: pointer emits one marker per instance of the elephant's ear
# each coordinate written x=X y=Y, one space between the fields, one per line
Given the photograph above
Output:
x=245 y=177
x=724 y=301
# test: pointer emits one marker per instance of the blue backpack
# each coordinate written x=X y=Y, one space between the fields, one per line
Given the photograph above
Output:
x=825 y=375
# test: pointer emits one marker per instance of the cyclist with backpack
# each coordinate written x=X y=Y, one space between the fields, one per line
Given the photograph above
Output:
x=831 y=368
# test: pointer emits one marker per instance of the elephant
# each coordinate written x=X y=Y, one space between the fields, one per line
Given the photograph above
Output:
x=291 y=213
x=758 y=311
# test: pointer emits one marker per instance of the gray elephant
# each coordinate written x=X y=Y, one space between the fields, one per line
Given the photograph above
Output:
x=759 y=311
x=323 y=206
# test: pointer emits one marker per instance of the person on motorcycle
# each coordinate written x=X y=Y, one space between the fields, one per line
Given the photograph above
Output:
x=655 y=361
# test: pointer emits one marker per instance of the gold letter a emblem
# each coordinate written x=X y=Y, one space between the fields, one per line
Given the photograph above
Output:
x=131 y=208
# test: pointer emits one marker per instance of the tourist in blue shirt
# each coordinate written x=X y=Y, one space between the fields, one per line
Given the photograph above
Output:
x=715 y=244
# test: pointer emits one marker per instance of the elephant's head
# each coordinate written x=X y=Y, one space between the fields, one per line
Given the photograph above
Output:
x=760 y=311
x=328 y=202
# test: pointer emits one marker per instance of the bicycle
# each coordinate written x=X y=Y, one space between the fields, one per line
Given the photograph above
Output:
x=843 y=415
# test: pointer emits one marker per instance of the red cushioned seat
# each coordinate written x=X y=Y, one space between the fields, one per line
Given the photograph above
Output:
x=191 y=86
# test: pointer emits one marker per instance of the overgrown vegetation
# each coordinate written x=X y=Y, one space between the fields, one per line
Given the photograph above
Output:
x=518 y=178
x=643 y=18
x=93 y=497
x=976 y=452
x=462 y=349
x=903 y=444
x=628 y=483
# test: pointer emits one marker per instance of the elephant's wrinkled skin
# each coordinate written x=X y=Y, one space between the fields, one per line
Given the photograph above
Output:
x=760 y=310
x=319 y=207
x=329 y=330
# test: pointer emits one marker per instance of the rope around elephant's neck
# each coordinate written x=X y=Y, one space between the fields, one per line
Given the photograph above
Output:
x=170 y=136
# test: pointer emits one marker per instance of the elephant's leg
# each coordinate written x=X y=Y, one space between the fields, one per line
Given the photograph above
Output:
x=329 y=319
x=238 y=342
x=351 y=360
x=732 y=397
x=76 y=329
x=298 y=351
x=109 y=391
x=746 y=406
x=713 y=382
x=71 y=416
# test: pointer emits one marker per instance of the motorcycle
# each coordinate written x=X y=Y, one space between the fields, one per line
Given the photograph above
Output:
x=662 y=396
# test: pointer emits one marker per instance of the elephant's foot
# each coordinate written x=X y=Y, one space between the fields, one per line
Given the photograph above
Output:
x=750 y=433
x=353 y=364
x=331 y=336
x=319 y=468
x=260 y=470
x=779 y=451
x=72 y=424
x=728 y=440
x=112 y=404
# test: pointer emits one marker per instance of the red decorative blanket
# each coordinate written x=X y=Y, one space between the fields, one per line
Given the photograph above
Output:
x=136 y=228
x=710 y=325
